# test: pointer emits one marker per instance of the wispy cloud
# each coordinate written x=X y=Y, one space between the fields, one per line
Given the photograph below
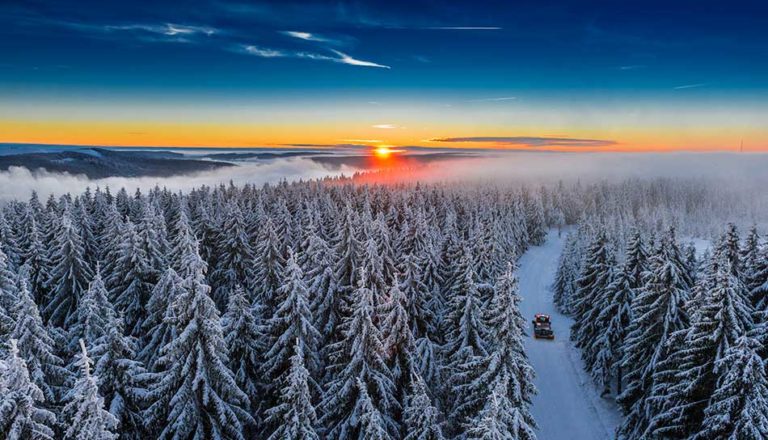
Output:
x=342 y=58
x=167 y=29
x=308 y=36
x=346 y=59
x=531 y=141
x=385 y=126
x=363 y=141
x=633 y=67
x=264 y=52
x=690 y=86
x=500 y=99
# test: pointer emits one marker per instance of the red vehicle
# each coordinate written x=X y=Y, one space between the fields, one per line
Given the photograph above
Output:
x=542 y=327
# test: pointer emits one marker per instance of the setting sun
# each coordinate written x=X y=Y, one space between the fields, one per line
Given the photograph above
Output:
x=383 y=151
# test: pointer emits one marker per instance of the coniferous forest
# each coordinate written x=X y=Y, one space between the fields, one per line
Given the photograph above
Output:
x=676 y=334
x=334 y=309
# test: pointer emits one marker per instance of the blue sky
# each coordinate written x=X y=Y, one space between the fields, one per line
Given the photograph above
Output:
x=94 y=56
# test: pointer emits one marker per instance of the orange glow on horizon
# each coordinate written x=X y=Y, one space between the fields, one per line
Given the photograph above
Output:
x=310 y=135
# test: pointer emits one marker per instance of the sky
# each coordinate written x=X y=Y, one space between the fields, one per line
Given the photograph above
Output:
x=568 y=76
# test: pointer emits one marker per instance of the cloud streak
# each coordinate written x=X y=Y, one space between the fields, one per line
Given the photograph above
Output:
x=531 y=141
x=341 y=58
x=689 y=86
x=308 y=36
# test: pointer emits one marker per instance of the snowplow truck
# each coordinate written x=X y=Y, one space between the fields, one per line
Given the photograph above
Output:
x=542 y=327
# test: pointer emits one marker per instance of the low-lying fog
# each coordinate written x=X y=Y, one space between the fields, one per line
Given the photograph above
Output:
x=748 y=170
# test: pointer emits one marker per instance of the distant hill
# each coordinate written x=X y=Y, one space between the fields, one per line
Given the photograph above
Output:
x=99 y=163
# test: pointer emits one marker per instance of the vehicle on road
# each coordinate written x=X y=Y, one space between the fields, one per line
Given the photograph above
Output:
x=542 y=327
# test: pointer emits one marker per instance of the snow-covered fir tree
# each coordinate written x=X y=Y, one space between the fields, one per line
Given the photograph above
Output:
x=657 y=312
x=84 y=416
x=37 y=347
x=245 y=340
x=22 y=414
x=70 y=274
x=685 y=378
x=130 y=279
x=291 y=324
x=361 y=393
x=94 y=316
x=420 y=417
x=234 y=262
x=294 y=415
x=121 y=380
x=158 y=328
x=738 y=408
x=194 y=393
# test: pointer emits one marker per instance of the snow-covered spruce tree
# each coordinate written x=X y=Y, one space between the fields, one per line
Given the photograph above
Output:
x=418 y=298
x=348 y=250
x=732 y=249
x=657 y=312
x=269 y=265
x=420 y=418
x=121 y=380
x=318 y=268
x=398 y=338
x=564 y=285
x=84 y=416
x=428 y=363
x=591 y=296
x=8 y=242
x=608 y=345
x=182 y=244
x=756 y=278
x=36 y=347
x=534 y=219
x=636 y=260
x=291 y=324
x=194 y=393
x=686 y=378
x=616 y=315
x=738 y=408
x=159 y=329
x=110 y=236
x=235 y=259
x=361 y=376
x=372 y=424
x=244 y=336
x=22 y=414
x=35 y=257
x=465 y=350
x=294 y=415
x=94 y=316
x=373 y=264
x=499 y=419
x=84 y=223
x=506 y=368
x=154 y=241
x=70 y=275
x=129 y=279
x=7 y=297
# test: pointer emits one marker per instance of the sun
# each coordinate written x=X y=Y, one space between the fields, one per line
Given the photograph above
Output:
x=383 y=151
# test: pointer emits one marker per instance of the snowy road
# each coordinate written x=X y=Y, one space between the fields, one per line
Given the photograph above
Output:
x=567 y=406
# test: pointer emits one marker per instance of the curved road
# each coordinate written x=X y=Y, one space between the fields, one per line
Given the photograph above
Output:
x=567 y=405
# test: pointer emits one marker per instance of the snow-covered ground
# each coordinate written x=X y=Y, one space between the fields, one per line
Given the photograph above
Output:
x=567 y=405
